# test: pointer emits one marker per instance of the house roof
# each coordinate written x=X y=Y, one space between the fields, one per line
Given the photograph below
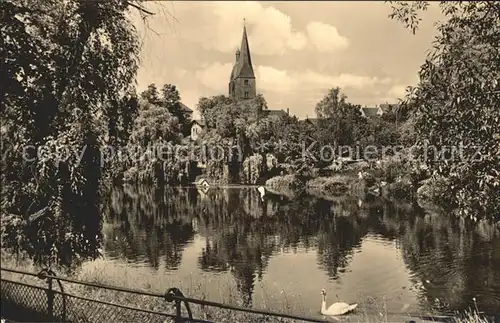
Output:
x=185 y=108
x=243 y=67
x=199 y=122
x=369 y=111
x=313 y=121
x=387 y=107
x=278 y=113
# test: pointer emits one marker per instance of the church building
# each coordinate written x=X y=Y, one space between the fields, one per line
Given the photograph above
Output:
x=242 y=82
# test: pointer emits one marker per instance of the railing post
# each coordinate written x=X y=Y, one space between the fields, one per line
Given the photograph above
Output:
x=173 y=294
x=178 y=313
x=50 y=299
x=45 y=274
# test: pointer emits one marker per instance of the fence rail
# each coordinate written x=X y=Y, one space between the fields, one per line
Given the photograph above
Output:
x=23 y=302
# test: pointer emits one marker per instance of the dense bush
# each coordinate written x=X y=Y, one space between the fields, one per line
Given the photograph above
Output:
x=334 y=186
x=287 y=182
x=435 y=190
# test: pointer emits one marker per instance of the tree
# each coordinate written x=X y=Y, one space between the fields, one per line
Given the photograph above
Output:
x=151 y=94
x=120 y=115
x=231 y=123
x=457 y=101
x=339 y=122
x=230 y=118
x=171 y=100
x=129 y=110
x=381 y=133
x=59 y=57
x=154 y=123
x=150 y=155
x=206 y=108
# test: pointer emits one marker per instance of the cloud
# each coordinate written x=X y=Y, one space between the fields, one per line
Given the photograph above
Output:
x=270 y=30
x=397 y=91
x=326 y=38
x=215 y=76
x=269 y=79
x=344 y=80
x=179 y=72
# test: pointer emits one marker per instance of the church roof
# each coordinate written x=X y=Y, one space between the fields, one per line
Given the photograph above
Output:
x=243 y=66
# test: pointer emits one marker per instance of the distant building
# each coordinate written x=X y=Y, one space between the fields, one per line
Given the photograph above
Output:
x=389 y=108
x=186 y=109
x=278 y=113
x=197 y=128
x=370 y=112
x=242 y=81
x=312 y=121
x=384 y=108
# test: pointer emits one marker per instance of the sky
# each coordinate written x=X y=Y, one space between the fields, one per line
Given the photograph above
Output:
x=299 y=50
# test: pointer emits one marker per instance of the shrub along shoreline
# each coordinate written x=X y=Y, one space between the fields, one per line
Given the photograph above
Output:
x=389 y=178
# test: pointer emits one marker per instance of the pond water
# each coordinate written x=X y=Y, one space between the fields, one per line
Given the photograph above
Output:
x=279 y=252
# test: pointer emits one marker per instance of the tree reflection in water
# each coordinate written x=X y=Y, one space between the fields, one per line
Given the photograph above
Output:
x=242 y=233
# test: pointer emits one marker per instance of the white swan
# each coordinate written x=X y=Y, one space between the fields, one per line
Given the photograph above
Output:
x=262 y=191
x=335 y=309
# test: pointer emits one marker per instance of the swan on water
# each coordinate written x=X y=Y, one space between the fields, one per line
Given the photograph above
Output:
x=262 y=191
x=335 y=309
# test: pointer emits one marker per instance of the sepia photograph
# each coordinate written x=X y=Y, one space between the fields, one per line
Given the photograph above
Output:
x=249 y=161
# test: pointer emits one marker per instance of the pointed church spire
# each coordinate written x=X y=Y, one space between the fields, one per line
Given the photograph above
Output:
x=246 y=68
x=242 y=80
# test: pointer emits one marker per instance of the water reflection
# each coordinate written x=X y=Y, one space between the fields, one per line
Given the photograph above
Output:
x=142 y=227
x=447 y=259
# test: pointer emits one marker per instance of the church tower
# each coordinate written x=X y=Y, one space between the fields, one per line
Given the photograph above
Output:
x=242 y=82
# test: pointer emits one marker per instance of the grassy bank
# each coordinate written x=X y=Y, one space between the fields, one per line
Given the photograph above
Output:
x=368 y=311
x=129 y=280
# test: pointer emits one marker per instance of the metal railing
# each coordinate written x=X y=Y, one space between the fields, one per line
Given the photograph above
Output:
x=21 y=301
x=24 y=302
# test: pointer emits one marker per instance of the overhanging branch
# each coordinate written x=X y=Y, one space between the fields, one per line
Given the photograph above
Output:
x=139 y=8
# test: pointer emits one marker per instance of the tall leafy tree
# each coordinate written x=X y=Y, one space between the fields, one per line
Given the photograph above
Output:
x=171 y=100
x=59 y=57
x=457 y=100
